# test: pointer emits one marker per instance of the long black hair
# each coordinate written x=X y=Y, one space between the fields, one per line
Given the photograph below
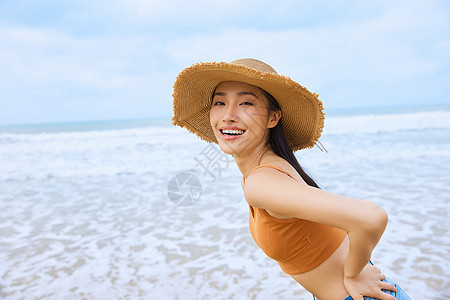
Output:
x=279 y=144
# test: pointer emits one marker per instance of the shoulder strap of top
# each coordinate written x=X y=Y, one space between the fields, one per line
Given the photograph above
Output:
x=272 y=166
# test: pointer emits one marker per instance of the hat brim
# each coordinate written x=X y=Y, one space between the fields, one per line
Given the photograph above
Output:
x=302 y=111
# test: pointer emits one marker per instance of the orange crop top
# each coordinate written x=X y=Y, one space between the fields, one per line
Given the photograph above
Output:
x=297 y=245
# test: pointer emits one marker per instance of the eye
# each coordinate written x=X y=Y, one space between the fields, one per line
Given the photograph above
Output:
x=218 y=103
x=247 y=103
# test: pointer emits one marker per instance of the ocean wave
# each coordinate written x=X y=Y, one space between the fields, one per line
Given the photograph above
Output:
x=6 y=137
x=141 y=150
x=369 y=123
x=387 y=122
x=83 y=210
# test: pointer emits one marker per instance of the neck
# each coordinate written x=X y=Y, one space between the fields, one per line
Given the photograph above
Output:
x=247 y=161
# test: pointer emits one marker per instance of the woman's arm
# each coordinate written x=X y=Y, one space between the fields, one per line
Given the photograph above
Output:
x=364 y=221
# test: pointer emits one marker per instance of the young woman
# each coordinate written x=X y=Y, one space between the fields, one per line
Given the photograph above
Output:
x=324 y=241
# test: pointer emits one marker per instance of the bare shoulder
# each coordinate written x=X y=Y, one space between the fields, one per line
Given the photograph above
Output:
x=266 y=181
x=276 y=192
x=283 y=165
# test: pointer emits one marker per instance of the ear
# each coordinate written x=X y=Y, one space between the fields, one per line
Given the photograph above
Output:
x=274 y=118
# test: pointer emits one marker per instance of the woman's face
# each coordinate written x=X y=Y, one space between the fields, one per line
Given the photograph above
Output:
x=239 y=117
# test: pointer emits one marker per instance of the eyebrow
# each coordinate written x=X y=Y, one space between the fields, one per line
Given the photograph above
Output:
x=239 y=94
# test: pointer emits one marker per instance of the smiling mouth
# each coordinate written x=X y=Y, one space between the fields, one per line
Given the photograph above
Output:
x=231 y=132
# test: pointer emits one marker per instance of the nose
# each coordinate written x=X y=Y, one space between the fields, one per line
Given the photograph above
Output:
x=230 y=114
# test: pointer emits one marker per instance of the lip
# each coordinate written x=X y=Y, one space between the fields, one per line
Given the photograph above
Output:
x=231 y=128
x=231 y=137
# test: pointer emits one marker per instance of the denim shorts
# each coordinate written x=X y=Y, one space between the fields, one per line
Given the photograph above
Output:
x=400 y=295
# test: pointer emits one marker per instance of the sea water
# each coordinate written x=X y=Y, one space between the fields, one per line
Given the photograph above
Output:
x=149 y=211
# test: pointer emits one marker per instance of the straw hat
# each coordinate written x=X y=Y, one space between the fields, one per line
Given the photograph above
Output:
x=302 y=111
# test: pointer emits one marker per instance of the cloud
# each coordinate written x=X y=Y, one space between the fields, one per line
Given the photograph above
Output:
x=402 y=46
x=87 y=77
x=377 y=53
x=151 y=9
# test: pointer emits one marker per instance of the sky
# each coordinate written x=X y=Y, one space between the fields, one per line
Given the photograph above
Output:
x=83 y=60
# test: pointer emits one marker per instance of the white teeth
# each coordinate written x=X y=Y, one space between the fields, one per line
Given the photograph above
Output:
x=228 y=131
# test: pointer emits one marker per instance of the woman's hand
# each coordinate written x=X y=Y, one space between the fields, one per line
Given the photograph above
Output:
x=368 y=283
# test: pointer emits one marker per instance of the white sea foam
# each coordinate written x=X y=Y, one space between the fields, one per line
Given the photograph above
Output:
x=87 y=214
x=388 y=122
